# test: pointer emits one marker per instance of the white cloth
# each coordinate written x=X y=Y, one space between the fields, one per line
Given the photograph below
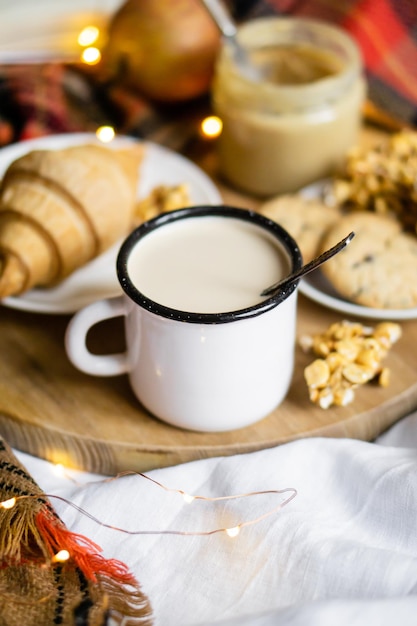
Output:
x=48 y=29
x=344 y=551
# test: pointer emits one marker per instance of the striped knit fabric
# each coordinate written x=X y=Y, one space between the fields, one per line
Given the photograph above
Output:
x=38 y=590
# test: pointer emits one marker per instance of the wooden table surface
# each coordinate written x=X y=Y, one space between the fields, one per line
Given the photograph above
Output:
x=51 y=410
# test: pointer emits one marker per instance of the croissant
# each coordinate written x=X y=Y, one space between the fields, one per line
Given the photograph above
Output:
x=61 y=208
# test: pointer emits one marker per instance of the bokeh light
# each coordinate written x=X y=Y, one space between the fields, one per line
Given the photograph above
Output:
x=91 y=56
x=105 y=133
x=211 y=126
x=88 y=36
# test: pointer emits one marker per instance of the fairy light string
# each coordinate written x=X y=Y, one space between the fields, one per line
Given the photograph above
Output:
x=62 y=548
x=231 y=531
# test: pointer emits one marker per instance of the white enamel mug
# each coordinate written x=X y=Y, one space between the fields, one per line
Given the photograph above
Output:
x=203 y=371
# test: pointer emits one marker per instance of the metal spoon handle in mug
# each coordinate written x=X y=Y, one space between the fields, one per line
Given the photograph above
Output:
x=308 y=267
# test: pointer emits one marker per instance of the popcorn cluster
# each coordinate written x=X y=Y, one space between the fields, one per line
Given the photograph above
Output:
x=349 y=355
x=382 y=179
x=162 y=199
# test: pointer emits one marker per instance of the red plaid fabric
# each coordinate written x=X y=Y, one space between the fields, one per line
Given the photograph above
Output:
x=386 y=32
x=33 y=102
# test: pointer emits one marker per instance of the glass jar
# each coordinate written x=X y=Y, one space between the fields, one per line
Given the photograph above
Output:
x=296 y=126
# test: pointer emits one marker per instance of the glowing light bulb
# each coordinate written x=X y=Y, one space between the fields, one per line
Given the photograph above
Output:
x=62 y=555
x=105 y=133
x=91 y=56
x=59 y=469
x=211 y=127
x=233 y=532
x=8 y=504
x=187 y=498
x=88 y=35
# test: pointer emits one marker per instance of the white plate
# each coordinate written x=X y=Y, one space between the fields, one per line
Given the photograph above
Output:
x=316 y=287
x=98 y=279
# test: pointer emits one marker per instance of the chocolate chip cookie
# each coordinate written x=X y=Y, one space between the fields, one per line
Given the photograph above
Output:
x=306 y=220
x=379 y=267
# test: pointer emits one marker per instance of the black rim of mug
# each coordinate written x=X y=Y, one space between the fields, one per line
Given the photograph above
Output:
x=146 y=228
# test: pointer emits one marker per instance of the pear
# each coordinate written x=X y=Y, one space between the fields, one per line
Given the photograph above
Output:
x=166 y=50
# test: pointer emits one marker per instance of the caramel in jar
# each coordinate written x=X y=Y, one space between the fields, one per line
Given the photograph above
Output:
x=296 y=125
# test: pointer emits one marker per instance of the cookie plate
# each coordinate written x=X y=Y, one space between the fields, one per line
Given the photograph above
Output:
x=316 y=287
x=98 y=280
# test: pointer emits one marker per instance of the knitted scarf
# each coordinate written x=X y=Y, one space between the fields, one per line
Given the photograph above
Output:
x=36 y=587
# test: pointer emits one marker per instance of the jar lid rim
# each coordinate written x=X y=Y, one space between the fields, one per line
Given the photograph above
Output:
x=311 y=94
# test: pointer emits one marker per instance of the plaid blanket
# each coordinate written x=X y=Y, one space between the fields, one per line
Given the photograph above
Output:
x=386 y=31
x=42 y=99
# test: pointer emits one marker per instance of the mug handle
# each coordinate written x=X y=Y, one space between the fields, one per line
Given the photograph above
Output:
x=76 y=336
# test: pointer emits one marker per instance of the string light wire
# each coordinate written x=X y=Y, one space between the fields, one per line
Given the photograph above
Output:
x=230 y=531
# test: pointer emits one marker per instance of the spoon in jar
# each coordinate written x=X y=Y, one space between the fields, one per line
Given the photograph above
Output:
x=228 y=28
x=308 y=267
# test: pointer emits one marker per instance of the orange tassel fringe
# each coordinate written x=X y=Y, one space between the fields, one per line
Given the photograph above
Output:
x=35 y=588
x=83 y=551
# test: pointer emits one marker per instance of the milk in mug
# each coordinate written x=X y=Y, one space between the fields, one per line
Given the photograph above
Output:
x=207 y=265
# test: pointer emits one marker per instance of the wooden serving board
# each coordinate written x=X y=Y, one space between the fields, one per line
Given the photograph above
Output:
x=51 y=410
